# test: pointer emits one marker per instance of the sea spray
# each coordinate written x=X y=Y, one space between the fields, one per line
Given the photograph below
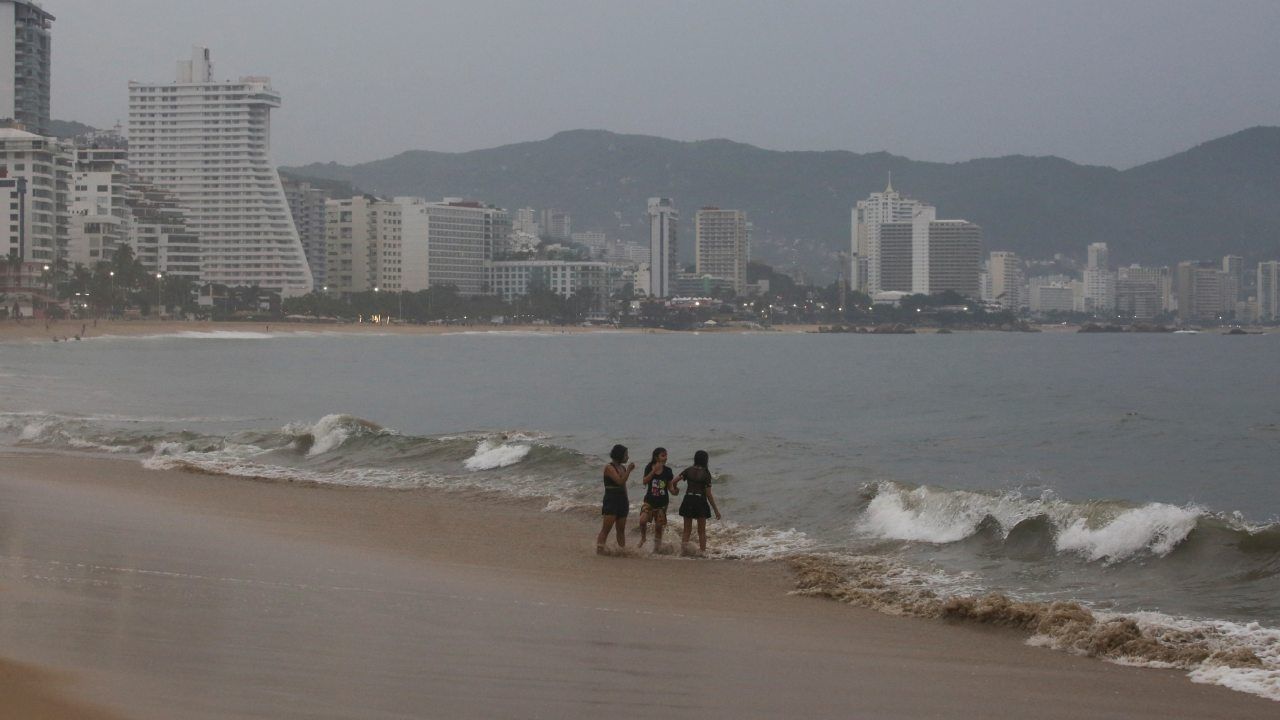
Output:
x=493 y=454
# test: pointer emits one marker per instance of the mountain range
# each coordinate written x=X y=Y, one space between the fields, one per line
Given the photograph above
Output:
x=1220 y=197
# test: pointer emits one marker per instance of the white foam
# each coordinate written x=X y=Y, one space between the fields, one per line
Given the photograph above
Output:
x=491 y=454
x=330 y=432
x=1157 y=528
x=925 y=514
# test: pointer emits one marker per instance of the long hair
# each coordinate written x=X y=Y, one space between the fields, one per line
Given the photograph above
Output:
x=700 y=459
x=653 y=459
x=618 y=454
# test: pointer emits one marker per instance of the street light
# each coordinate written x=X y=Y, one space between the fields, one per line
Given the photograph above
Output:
x=159 y=302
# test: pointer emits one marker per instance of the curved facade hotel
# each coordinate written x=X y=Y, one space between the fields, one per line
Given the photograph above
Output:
x=208 y=143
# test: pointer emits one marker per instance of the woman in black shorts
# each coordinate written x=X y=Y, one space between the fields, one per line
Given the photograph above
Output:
x=698 y=501
x=616 y=505
x=657 y=483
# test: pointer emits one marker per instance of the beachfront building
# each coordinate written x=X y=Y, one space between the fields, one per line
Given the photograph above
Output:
x=160 y=232
x=1099 y=280
x=868 y=216
x=947 y=257
x=1269 y=291
x=513 y=279
x=1160 y=277
x=1052 y=297
x=1232 y=281
x=208 y=142
x=1006 y=279
x=415 y=230
x=1137 y=300
x=362 y=245
x=308 y=208
x=664 y=246
x=462 y=238
x=35 y=177
x=1199 y=291
x=25 y=61
x=99 y=205
x=722 y=246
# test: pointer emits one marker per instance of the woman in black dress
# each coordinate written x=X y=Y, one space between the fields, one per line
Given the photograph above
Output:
x=698 y=501
x=616 y=504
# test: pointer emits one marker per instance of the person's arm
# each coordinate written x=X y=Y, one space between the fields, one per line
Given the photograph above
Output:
x=675 y=484
x=712 y=499
x=611 y=472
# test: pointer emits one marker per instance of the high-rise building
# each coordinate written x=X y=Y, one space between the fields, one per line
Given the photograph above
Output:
x=722 y=243
x=24 y=64
x=947 y=255
x=1269 y=291
x=99 y=205
x=415 y=250
x=462 y=238
x=159 y=232
x=1007 y=280
x=1199 y=288
x=1158 y=276
x=35 y=175
x=1232 y=282
x=363 y=245
x=1137 y=299
x=1099 y=281
x=663 y=246
x=596 y=241
x=557 y=224
x=867 y=218
x=525 y=220
x=208 y=142
x=307 y=207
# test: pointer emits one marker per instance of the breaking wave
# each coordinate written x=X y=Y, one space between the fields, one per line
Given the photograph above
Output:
x=1102 y=531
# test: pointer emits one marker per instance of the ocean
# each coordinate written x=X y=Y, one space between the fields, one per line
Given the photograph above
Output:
x=1133 y=475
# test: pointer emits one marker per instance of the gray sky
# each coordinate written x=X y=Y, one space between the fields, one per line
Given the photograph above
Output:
x=1113 y=83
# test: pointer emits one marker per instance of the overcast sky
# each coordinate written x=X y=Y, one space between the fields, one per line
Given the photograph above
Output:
x=1113 y=83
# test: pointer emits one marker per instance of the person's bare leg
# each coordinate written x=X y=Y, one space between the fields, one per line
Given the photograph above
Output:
x=659 y=524
x=644 y=528
x=684 y=537
x=702 y=534
x=621 y=529
x=603 y=537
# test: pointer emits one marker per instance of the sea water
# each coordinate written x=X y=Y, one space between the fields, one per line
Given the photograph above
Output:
x=1136 y=474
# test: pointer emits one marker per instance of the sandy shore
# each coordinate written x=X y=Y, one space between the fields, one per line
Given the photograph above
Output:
x=35 y=330
x=162 y=594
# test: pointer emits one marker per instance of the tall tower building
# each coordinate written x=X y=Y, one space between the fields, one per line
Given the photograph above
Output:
x=1099 y=280
x=307 y=207
x=722 y=240
x=208 y=142
x=1269 y=290
x=462 y=237
x=865 y=268
x=1007 y=281
x=663 y=246
x=24 y=64
x=35 y=176
x=947 y=256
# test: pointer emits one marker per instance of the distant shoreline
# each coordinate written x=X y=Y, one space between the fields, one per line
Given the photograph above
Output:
x=35 y=330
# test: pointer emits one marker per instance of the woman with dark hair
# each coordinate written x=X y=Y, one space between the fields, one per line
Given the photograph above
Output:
x=616 y=504
x=657 y=482
x=698 y=501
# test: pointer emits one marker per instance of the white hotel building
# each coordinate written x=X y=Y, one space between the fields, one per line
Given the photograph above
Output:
x=208 y=143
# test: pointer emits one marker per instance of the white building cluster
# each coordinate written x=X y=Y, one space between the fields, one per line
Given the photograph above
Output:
x=899 y=245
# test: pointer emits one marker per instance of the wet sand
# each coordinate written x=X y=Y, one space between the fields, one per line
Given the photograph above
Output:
x=165 y=594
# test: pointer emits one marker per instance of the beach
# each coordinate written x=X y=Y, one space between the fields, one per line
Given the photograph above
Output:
x=154 y=594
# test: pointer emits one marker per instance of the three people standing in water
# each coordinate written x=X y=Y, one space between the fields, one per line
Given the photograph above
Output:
x=660 y=484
